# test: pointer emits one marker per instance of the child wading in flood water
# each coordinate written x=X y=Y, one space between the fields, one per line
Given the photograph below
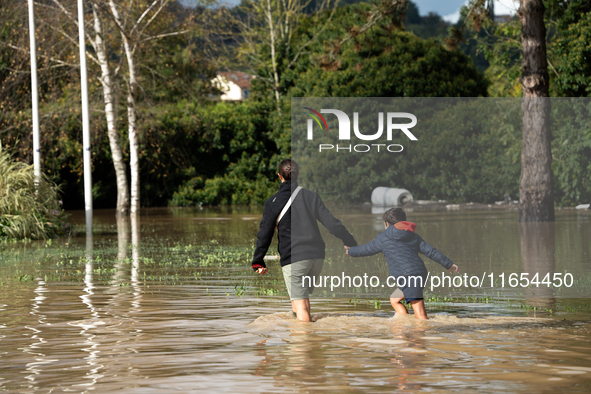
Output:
x=401 y=247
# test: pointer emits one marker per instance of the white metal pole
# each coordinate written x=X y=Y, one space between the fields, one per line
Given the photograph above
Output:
x=85 y=115
x=35 y=95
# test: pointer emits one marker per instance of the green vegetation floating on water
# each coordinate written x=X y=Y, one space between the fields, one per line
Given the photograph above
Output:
x=212 y=269
x=27 y=209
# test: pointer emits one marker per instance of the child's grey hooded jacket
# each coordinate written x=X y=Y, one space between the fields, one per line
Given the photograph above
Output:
x=401 y=247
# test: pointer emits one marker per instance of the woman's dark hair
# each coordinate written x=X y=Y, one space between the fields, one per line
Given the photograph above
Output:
x=394 y=216
x=288 y=169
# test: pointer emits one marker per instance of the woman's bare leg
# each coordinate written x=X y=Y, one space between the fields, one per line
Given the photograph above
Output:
x=302 y=309
x=398 y=307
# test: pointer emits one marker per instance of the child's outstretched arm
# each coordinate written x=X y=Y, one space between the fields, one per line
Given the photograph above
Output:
x=437 y=256
x=368 y=249
x=454 y=268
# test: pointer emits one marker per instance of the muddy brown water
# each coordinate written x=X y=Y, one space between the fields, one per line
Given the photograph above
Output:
x=168 y=303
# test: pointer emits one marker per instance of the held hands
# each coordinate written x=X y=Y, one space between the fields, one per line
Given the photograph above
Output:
x=262 y=271
x=347 y=249
x=454 y=268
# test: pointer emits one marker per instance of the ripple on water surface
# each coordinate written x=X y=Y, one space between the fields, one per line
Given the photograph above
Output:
x=176 y=310
x=496 y=353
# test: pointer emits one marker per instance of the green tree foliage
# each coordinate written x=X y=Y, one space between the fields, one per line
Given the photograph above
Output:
x=195 y=152
x=384 y=61
x=567 y=25
x=503 y=52
x=573 y=47
x=226 y=151
x=172 y=68
x=459 y=157
x=571 y=150
x=178 y=142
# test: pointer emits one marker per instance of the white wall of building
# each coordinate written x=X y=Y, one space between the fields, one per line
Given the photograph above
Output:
x=231 y=90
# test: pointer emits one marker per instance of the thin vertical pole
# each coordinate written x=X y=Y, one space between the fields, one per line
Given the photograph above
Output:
x=85 y=115
x=35 y=95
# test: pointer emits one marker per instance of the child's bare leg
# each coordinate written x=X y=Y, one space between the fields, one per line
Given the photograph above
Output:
x=419 y=307
x=398 y=307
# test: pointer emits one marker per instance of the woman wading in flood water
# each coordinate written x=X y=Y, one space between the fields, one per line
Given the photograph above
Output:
x=301 y=248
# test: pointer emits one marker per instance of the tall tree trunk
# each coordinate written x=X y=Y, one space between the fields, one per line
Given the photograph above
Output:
x=131 y=116
x=109 y=98
x=536 y=197
x=134 y=163
x=269 y=13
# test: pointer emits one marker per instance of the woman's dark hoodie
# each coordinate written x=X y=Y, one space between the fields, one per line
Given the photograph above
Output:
x=298 y=233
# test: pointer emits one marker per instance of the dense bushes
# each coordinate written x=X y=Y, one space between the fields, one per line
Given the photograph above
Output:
x=227 y=154
x=458 y=157
x=27 y=211
x=468 y=150
x=571 y=150
x=178 y=142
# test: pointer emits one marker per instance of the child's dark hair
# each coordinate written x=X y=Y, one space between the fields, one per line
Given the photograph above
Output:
x=288 y=169
x=394 y=215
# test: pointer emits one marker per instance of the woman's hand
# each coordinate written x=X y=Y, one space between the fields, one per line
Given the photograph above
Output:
x=262 y=271
x=454 y=268
x=347 y=249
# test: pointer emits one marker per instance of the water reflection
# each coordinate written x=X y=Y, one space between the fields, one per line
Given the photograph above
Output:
x=135 y=264
x=34 y=350
x=365 y=351
x=538 y=256
x=89 y=286
x=91 y=346
x=118 y=272
x=135 y=248
x=122 y=245
x=113 y=319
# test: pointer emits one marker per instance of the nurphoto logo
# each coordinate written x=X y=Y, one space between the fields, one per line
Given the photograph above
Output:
x=344 y=123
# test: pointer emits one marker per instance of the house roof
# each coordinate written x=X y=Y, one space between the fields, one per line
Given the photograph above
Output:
x=239 y=78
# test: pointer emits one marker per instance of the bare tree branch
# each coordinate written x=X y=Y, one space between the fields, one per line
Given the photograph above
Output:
x=24 y=50
x=136 y=24
x=75 y=42
x=71 y=18
x=164 y=3
x=552 y=67
x=66 y=12
x=176 y=33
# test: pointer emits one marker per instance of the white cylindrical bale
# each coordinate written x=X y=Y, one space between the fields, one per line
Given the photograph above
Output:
x=390 y=196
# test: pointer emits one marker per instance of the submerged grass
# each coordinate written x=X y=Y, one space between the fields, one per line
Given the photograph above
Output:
x=209 y=269
x=27 y=210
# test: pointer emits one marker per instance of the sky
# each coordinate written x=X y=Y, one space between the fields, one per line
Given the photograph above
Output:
x=448 y=9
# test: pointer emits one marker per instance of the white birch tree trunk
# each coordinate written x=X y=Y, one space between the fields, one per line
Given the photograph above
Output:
x=269 y=13
x=133 y=140
x=131 y=115
x=109 y=98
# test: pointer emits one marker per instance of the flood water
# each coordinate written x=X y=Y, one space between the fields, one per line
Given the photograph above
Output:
x=169 y=303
